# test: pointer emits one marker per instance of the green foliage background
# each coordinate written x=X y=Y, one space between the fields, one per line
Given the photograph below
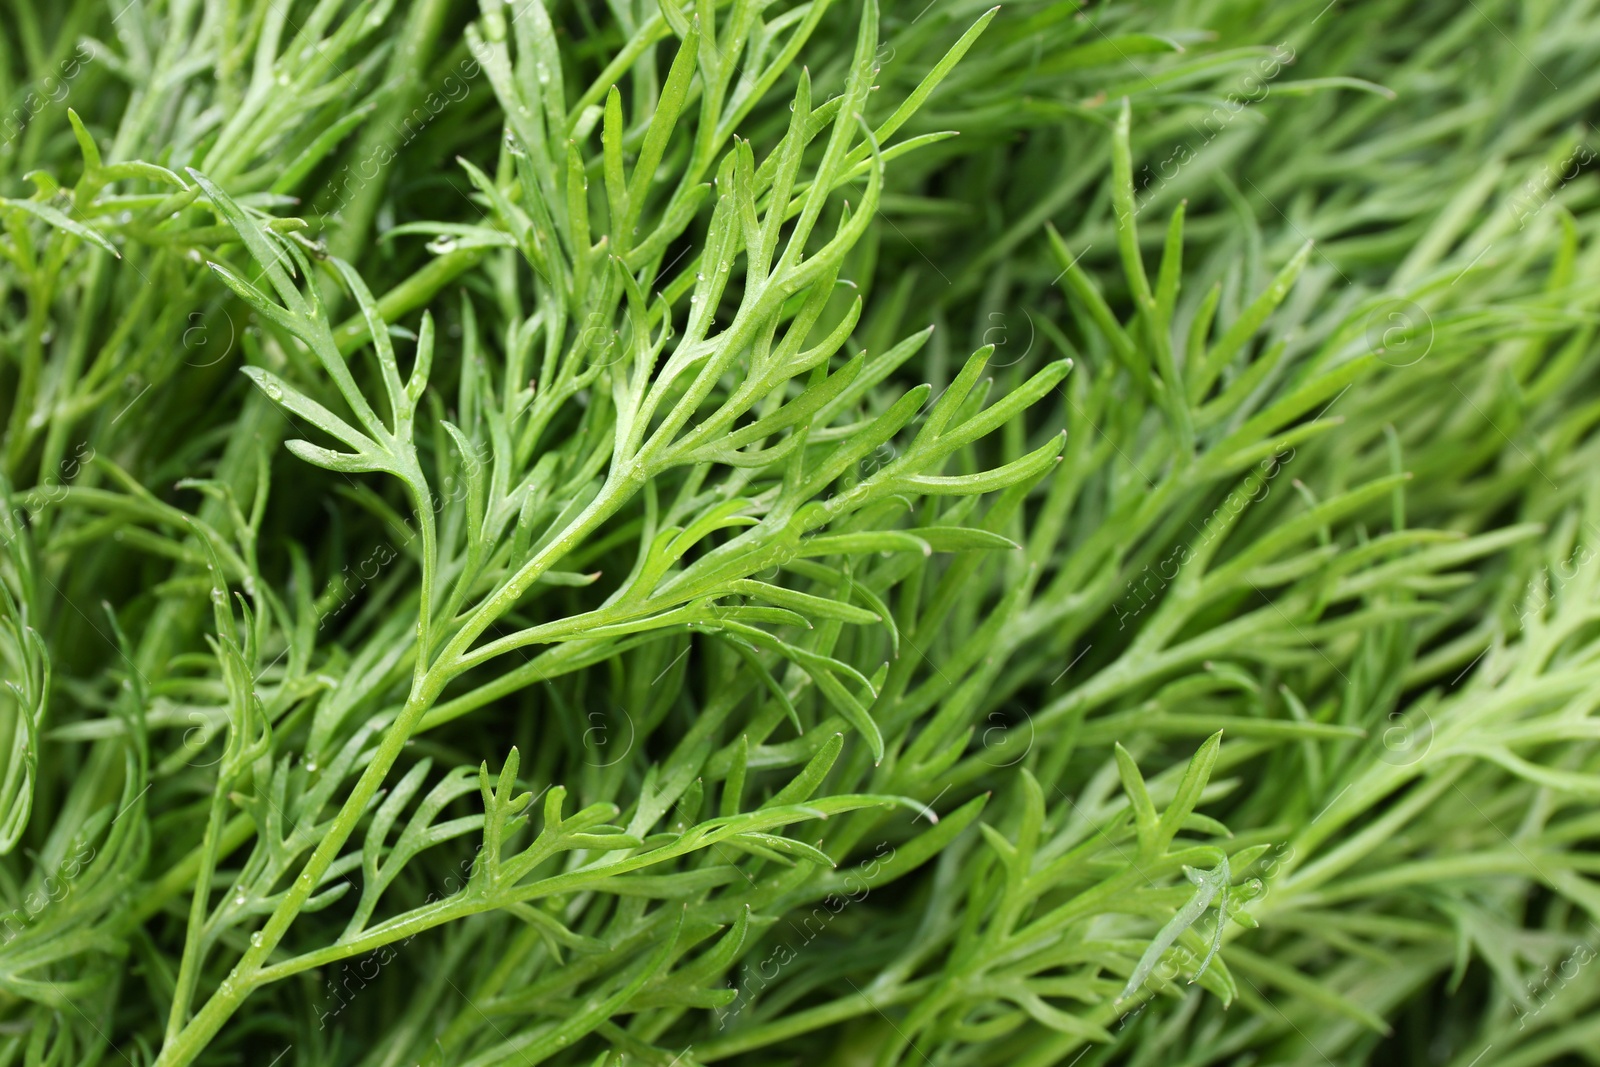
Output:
x=750 y=532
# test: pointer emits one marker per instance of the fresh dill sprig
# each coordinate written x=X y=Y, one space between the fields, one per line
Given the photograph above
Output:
x=542 y=532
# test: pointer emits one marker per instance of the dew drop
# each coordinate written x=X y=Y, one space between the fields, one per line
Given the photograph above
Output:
x=441 y=245
x=238 y=898
x=311 y=766
x=256 y=939
x=699 y=276
x=217 y=597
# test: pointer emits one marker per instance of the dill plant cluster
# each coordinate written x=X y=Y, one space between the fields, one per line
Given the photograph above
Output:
x=744 y=531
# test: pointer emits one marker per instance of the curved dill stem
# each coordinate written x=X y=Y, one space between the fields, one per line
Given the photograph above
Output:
x=189 y=962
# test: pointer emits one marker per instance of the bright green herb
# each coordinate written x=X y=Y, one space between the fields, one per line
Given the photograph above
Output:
x=729 y=532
